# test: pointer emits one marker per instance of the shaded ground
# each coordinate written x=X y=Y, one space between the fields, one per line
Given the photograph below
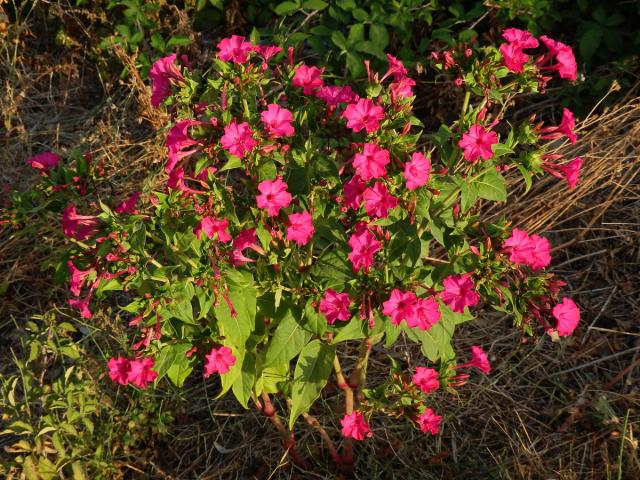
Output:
x=567 y=411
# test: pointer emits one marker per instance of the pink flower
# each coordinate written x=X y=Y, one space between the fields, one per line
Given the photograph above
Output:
x=308 y=78
x=335 y=306
x=426 y=313
x=273 y=196
x=402 y=88
x=363 y=115
x=141 y=373
x=417 y=170
x=479 y=359
x=566 y=61
x=519 y=247
x=179 y=143
x=237 y=139
x=334 y=95
x=353 y=190
x=44 y=161
x=477 y=143
x=277 y=121
x=300 y=229
x=234 y=49
x=567 y=314
x=566 y=128
x=541 y=253
x=219 y=360
x=513 y=56
x=176 y=182
x=82 y=304
x=372 y=162
x=396 y=68
x=245 y=239
x=267 y=52
x=129 y=205
x=77 y=278
x=400 y=306
x=571 y=171
x=77 y=226
x=119 y=368
x=426 y=379
x=162 y=73
x=459 y=292
x=212 y=227
x=429 y=422
x=520 y=37
x=378 y=201
x=363 y=245
x=355 y=426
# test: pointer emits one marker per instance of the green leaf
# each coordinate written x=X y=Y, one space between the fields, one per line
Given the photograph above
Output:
x=500 y=149
x=436 y=342
x=233 y=162
x=285 y=8
x=590 y=41
x=339 y=40
x=379 y=36
x=491 y=186
x=169 y=355
x=391 y=332
x=237 y=326
x=468 y=196
x=313 y=320
x=229 y=379
x=180 y=370
x=272 y=376
x=353 y=330
x=315 y=5
x=287 y=341
x=356 y=34
x=180 y=302
x=311 y=374
x=243 y=386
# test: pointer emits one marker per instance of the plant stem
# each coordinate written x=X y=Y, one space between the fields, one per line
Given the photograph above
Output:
x=311 y=420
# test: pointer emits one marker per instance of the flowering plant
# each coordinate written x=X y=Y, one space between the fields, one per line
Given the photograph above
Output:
x=298 y=217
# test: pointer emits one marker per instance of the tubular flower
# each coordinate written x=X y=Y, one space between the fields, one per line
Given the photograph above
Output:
x=77 y=278
x=300 y=229
x=129 y=205
x=179 y=143
x=334 y=95
x=534 y=251
x=426 y=313
x=141 y=373
x=308 y=78
x=400 y=306
x=566 y=128
x=212 y=227
x=567 y=315
x=162 y=73
x=335 y=306
x=119 y=368
x=477 y=143
x=480 y=360
x=378 y=201
x=353 y=190
x=218 y=360
x=44 y=161
x=273 y=196
x=426 y=379
x=355 y=426
x=363 y=115
x=77 y=226
x=237 y=139
x=234 y=49
x=245 y=239
x=429 y=422
x=372 y=162
x=459 y=292
x=277 y=121
x=565 y=60
x=417 y=170
x=363 y=245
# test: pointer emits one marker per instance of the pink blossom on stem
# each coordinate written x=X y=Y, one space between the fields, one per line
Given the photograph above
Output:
x=129 y=205
x=162 y=73
x=571 y=171
x=400 y=306
x=378 y=201
x=277 y=121
x=273 y=196
x=567 y=315
x=179 y=143
x=363 y=245
x=237 y=139
x=566 y=128
x=479 y=359
x=353 y=190
x=459 y=292
x=396 y=68
x=541 y=253
x=402 y=88
x=355 y=426
x=308 y=78
x=334 y=95
x=426 y=313
x=77 y=226
x=245 y=239
x=82 y=304
x=212 y=227
x=77 y=278
x=335 y=306
x=119 y=368
x=417 y=170
x=219 y=360
x=300 y=229
x=566 y=62
x=520 y=37
x=372 y=162
x=44 y=161
x=234 y=49
x=429 y=422
x=513 y=57
x=426 y=379
x=267 y=52
x=363 y=115
x=141 y=373
x=477 y=142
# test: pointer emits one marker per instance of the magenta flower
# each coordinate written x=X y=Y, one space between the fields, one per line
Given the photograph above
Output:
x=44 y=161
x=426 y=313
x=77 y=278
x=396 y=68
x=429 y=422
x=372 y=162
x=566 y=61
x=520 y=37
x=479 y=359
x=378 y=201
x=267 y=52
x=417 y=170
x=119 y=368
x=277 y=121
x=426 y=379
x=162 y=73
x=273 y=196
x=363 y=245
x=353 y=190
x=477 y=143
x=308 y=78
x=519 y=247
x=245 y=239
x=363 y=115
x=355 y=426
x=141 y=373
x=300 y=229
x=234 y=49
x=571 y=171
x=541 y=253
x=402 y=88
x=219 y=360
x=82 y=304
x=212 y=227
x=128 y=206
x=237 y=139
x=334 y=95
x=459 y=292
x=400 y=306
x=335 y=306
x=179 y=143
x=567 y=314
x=566 y=128
x=77 y=226
x=513 y=57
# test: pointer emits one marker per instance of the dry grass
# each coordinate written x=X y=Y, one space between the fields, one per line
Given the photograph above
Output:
x=565 y=411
